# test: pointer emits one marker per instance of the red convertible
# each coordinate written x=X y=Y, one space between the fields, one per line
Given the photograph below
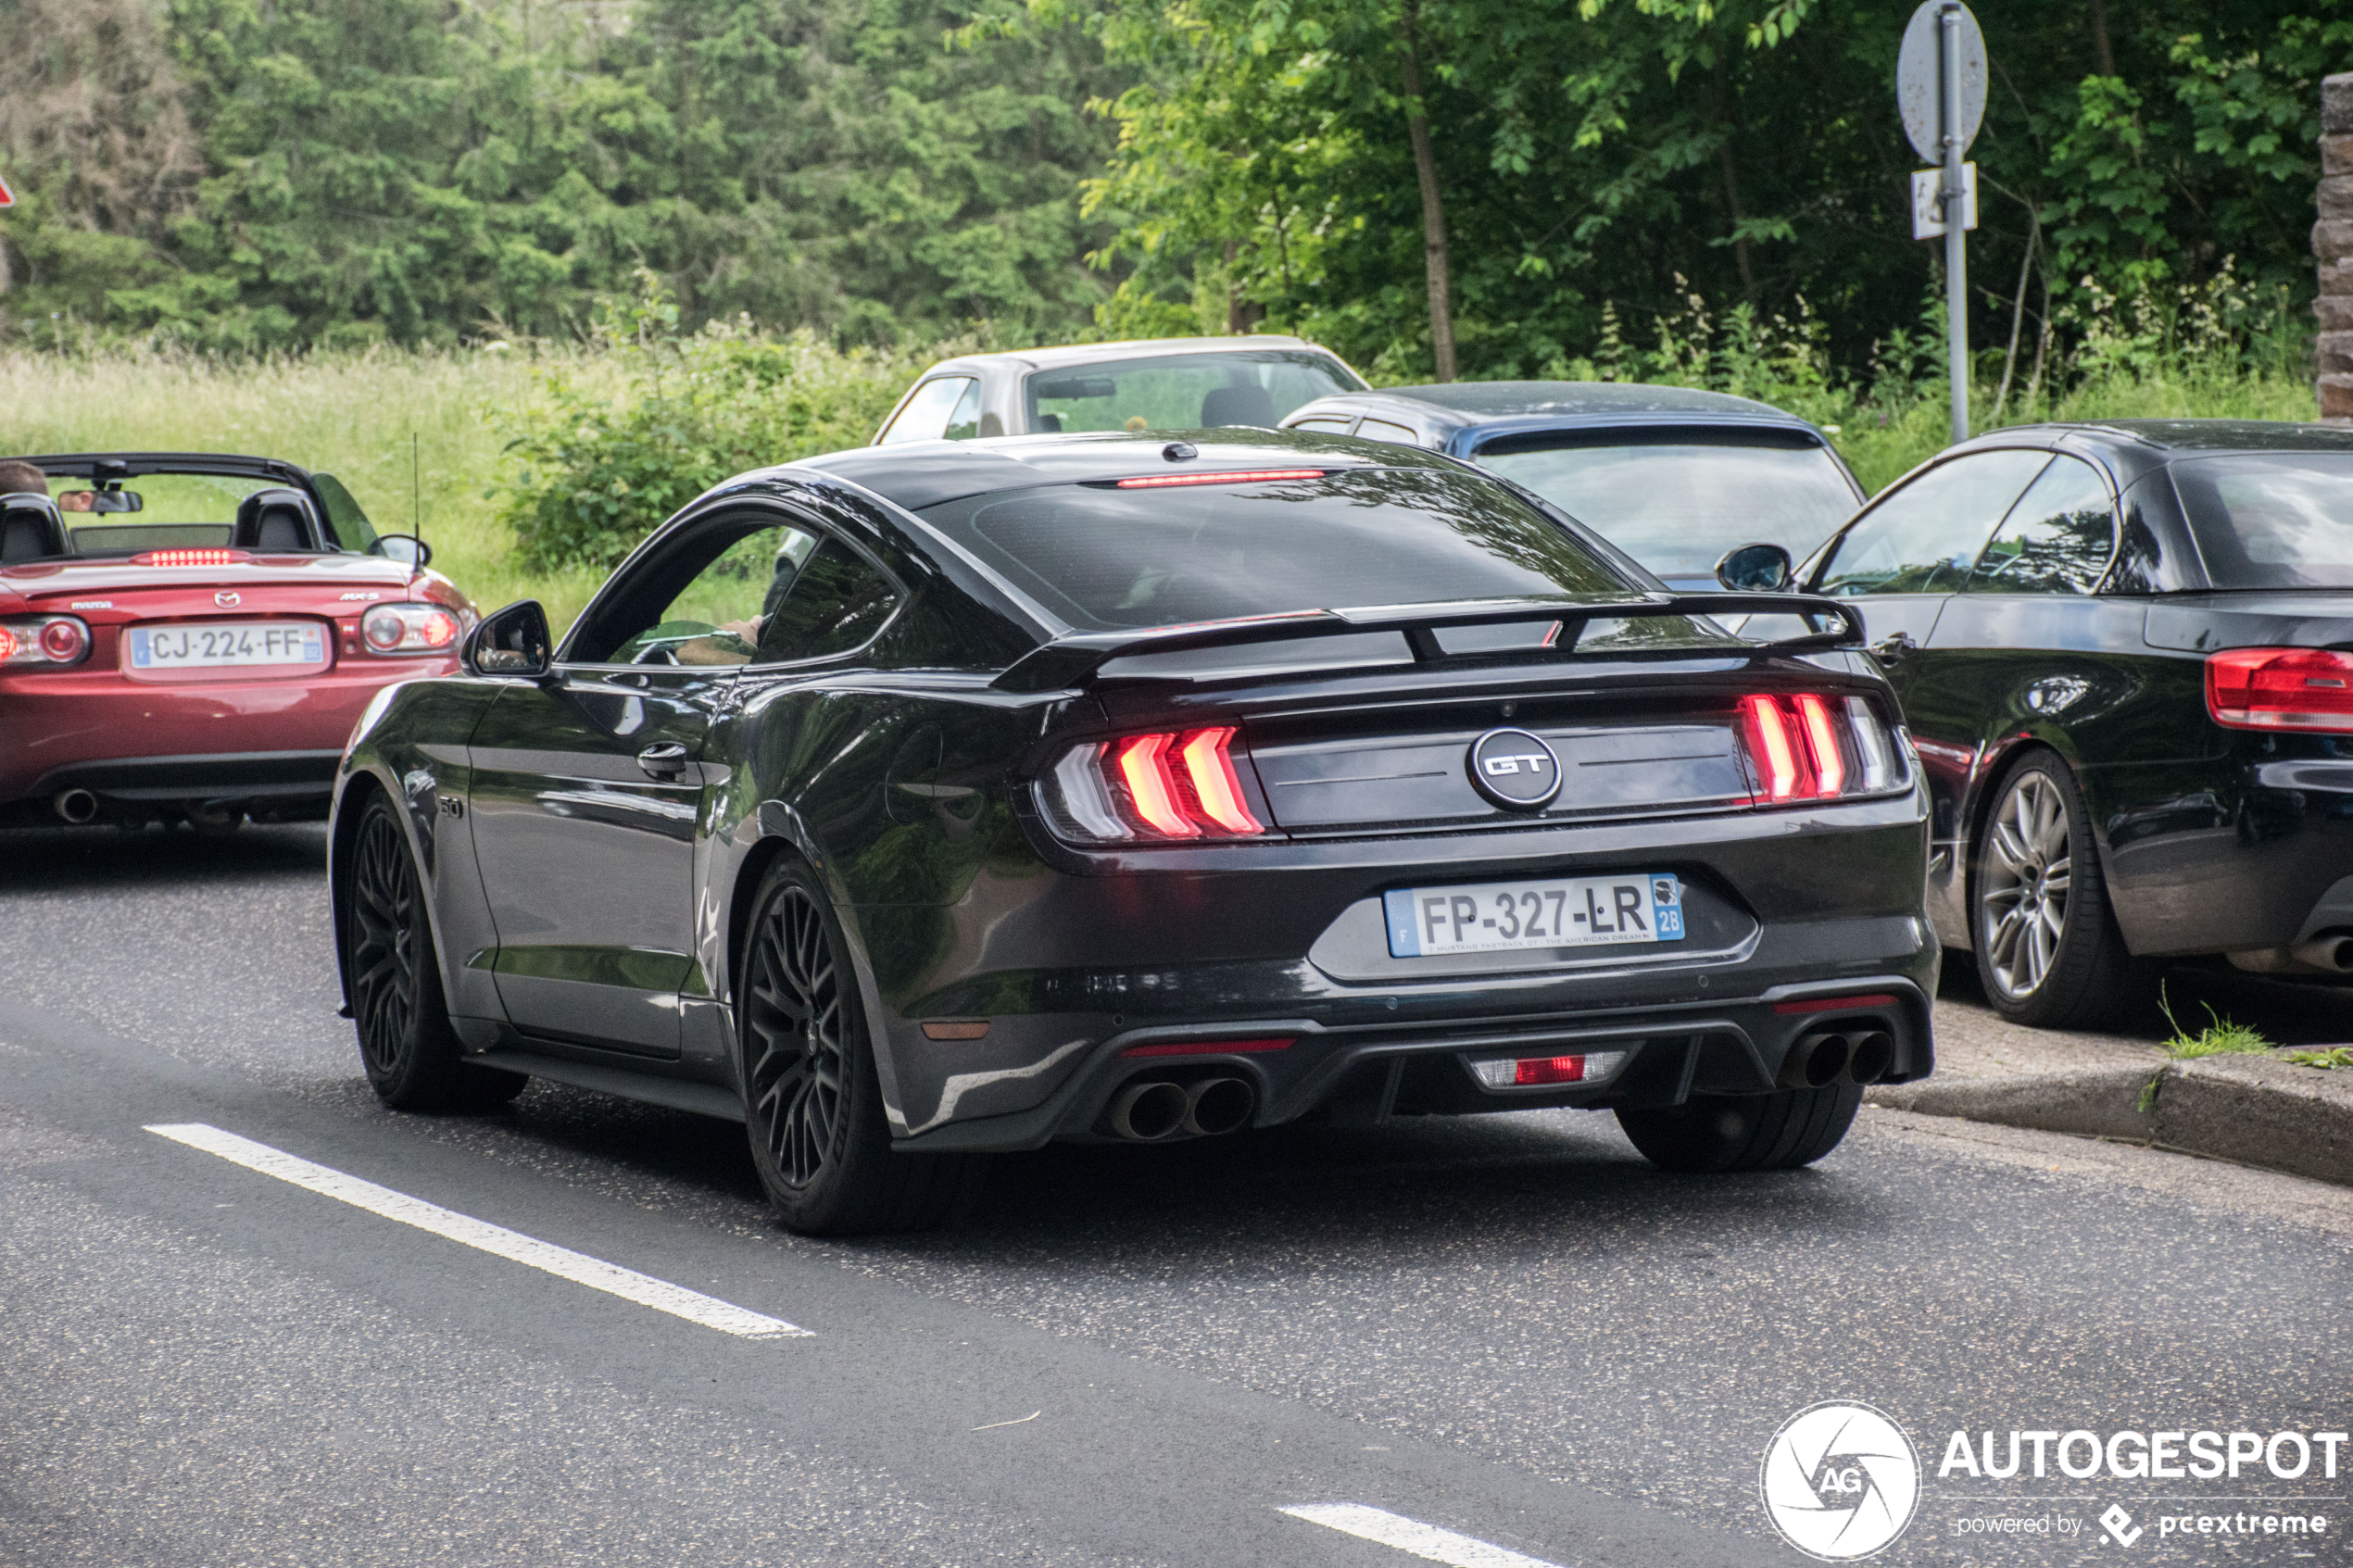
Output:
x=190 y=636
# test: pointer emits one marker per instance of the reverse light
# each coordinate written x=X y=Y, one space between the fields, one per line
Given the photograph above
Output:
x=1243 y=476
x=2280 y=689
x=1809 y=747
x=407 y=629
x=40 y=641
x=1535 y=1072
x=1168 y=785
x=201 y=557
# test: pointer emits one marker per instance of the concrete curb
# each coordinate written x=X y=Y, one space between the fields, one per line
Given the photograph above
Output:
x=2250 y=1109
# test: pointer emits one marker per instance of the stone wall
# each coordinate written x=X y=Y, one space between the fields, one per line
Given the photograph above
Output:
x=2333 y=243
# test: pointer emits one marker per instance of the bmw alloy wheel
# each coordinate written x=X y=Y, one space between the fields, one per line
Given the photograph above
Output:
x=2023 y=884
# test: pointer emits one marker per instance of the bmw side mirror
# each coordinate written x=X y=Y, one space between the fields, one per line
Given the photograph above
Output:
x=512 y=640
x=1755 y=569
x=406 y=548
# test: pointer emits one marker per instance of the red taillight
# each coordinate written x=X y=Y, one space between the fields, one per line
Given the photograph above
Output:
x=1809 y=746
x=407 y=628
x=190 y=558
x=1170 y=783
x=64 y=641
x=44 y=640
x=11 y=644
x=1834 y=1004
x=2280 y=689
x=1244 y=476
x=1535 y=1072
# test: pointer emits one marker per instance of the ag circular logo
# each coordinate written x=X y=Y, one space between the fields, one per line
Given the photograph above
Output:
x=1514 y=769
x=1839 y=1481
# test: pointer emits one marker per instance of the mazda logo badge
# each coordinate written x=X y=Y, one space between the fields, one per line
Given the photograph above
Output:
x=226 y=600
x=1514 y=769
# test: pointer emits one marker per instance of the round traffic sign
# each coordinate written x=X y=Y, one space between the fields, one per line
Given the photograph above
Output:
x=1919 y=77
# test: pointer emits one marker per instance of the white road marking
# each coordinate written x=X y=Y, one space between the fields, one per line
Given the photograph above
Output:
x=562 y=1261
x=1425 y=1541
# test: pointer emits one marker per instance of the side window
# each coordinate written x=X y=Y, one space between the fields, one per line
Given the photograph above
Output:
x=2057 y=540
x=1924 y=538
x=926 y=414
x=964 y=424
x=1326 y=424
x=1382 y=430
x=707 y=605
x=838 y=600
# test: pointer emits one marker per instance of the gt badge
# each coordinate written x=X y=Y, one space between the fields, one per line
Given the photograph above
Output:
x=226 y=599
x=1514 y=769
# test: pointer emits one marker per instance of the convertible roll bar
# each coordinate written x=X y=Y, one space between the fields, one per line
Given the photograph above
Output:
x=1072 y=660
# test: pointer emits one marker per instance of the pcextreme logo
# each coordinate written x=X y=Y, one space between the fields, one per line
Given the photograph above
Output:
x=1839 y=1481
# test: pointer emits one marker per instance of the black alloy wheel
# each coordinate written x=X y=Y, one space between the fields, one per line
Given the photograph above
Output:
x=409 y=1051
x=813 y=1101
x=2048 y=950
x=1773 y=1132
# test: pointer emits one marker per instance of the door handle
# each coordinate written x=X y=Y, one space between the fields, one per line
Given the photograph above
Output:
x=1892 y=647
x=663 y=760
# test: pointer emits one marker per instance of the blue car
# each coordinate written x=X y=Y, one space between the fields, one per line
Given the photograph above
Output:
x=1673 y=477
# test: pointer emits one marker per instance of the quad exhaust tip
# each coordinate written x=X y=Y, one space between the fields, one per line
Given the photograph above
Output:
x=1155 y=1109
x=1860 y=1056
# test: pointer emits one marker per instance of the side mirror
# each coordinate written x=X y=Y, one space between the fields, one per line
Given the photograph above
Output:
x=1755 y=569
x=513 y=641
x=406 y=548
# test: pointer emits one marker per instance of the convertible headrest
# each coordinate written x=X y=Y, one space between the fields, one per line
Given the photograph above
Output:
x=276 y=520
x=31 y=529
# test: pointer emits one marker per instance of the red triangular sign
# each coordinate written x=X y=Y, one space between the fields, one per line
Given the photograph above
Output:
x=8 y=197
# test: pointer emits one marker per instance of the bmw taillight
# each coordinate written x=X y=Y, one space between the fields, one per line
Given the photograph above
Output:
x=2280 y=689
x=1810 y=747
x=409 y=628
x=44 y=640
x=1167 y=786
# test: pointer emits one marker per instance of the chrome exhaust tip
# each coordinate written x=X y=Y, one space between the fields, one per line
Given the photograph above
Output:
x=76 y=806
x=1216 y=1106
x=1148 y=1111
x=2331 y=950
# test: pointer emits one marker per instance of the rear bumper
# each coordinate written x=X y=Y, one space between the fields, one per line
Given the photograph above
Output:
x=131 y=743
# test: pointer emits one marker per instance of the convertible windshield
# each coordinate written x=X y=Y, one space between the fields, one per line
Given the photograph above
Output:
x=1105 y=558
x=1183 y=391
x=2278 y=520
x=1677 y=501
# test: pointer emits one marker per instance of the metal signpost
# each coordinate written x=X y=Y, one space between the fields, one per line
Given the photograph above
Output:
x=1940 y=88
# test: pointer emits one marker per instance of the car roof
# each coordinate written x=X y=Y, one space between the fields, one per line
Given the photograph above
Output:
x=2203 y=437
x=916 y=474
x=1542 y=405
x=84 y=465
x=1141 y=348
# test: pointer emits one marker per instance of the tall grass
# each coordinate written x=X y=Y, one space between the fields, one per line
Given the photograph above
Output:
x=2212 y=352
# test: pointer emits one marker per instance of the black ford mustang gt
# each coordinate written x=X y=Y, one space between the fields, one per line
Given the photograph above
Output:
x=928 y=800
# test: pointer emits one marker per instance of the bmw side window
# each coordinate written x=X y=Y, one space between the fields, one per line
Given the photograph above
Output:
x=2057 y=539
x=838 y=601
x=1382 y=430
x=1924 y=538
x=936 y=402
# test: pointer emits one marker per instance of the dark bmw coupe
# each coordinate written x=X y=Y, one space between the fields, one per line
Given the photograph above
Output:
x=2125 y=652
x=947 y=798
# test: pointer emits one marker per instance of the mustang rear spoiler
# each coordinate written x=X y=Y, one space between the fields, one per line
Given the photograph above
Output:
x=1070 y=660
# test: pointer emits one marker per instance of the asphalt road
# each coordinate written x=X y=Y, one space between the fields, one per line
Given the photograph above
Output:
x=1509 y=1328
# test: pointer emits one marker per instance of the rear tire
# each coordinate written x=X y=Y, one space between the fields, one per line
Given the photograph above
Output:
x=812 y=1099
x=1777 y=1132
x=412 y=1054
x=2048 y=950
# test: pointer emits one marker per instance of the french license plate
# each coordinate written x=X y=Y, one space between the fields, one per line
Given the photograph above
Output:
x=1562 y=912
x=227 y=643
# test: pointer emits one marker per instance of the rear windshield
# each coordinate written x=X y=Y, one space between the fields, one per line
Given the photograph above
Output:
x=1103 y=559
x=1677 y=501
x=2275 y=520
x=1183 y=391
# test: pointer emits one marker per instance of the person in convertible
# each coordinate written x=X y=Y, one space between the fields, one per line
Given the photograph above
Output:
x=21 y=478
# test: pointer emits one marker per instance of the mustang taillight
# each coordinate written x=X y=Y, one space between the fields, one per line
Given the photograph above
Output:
x=1809 y=746
x=1169 y=784
x=407 y=628
x=196 y=556
x=2280 y=689
x=1533 y=1072
x=44 y=640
